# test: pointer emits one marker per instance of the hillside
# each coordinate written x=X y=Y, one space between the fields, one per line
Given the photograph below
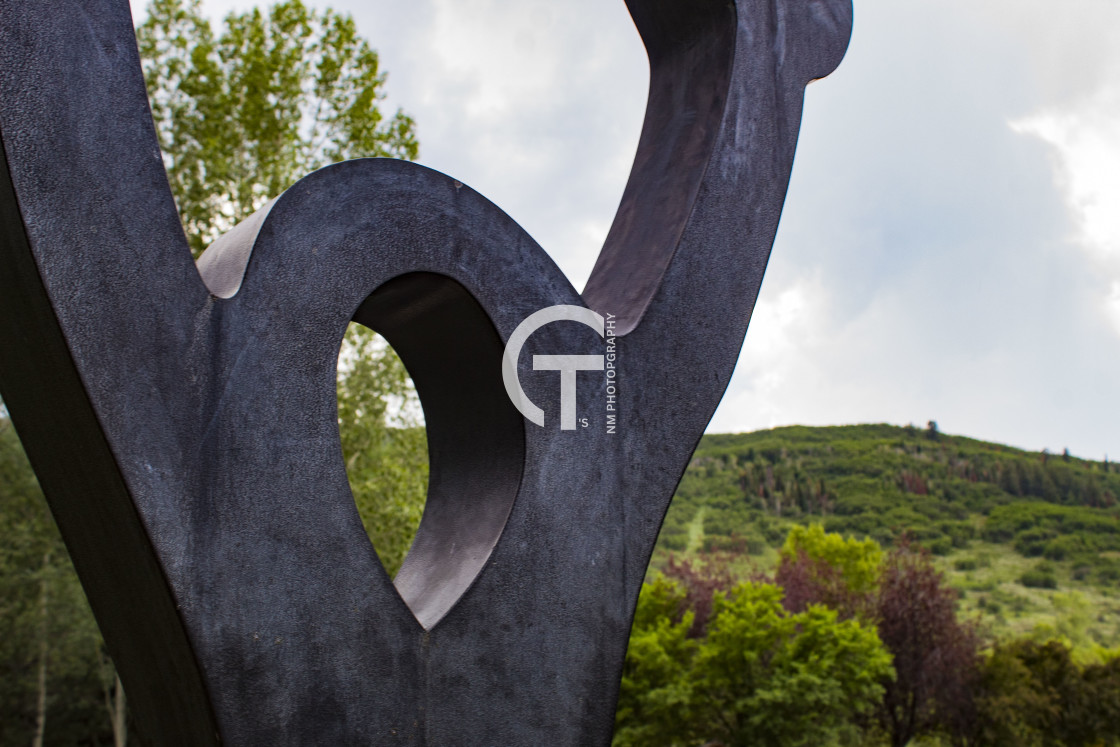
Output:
x=1031 y=540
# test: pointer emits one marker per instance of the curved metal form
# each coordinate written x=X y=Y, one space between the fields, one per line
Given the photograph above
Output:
x=182 y=420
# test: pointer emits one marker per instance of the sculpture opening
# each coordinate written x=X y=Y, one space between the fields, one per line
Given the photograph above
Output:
x=384 y=443
x=475 y=436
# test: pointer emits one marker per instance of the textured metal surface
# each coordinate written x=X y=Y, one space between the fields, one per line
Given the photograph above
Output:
x=183 y=425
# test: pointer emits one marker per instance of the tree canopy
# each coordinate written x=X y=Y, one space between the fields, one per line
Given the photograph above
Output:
x=761 y=675
x=862 y=647
x=244 y=113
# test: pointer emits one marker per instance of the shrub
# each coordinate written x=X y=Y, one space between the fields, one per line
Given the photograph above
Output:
x=941 y=546
x=1040 y=577
x=674 y=542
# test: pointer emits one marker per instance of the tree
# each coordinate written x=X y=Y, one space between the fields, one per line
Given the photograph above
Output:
x=701 y=580
x=935 y=655
x=50 y=679
x=241 y=115
x=766 y=676
x=655 y=694
x=760 y=676
x=906 y=598
x=817 y=567
x=1034 y=694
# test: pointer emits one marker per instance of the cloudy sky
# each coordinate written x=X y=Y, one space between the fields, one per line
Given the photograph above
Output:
x=950 y=246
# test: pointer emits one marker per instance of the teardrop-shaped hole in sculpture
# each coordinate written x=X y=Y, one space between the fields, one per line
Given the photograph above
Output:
x=475 y=436
x=384 y=443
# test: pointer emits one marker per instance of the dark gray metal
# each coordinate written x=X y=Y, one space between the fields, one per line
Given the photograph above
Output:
x=187 y=439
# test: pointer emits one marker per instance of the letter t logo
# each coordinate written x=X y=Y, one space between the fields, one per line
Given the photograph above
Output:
x=567 y=365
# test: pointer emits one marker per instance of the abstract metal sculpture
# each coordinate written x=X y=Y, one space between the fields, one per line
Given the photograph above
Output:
x=182 y=420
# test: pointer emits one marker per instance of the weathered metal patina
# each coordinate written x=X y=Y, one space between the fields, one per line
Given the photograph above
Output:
x=182 y=419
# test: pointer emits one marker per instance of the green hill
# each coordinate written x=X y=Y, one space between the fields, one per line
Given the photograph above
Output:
x=1031 y=540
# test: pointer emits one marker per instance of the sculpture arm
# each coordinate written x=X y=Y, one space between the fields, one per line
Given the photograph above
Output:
x=685 y=257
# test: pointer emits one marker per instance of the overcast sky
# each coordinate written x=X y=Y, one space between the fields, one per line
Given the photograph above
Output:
x=950 y=246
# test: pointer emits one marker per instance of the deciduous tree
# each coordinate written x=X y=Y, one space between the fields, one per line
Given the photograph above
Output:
x=817 y=567
x=906 y=598
x=765 y=676
x=935 y=654
x=760 y=676
x=50 y=681
x=655 y=696
x=383 y=443
x=244 y=113
x=1033 y=693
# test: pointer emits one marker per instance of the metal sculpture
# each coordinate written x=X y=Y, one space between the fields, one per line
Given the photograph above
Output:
x=182 y=420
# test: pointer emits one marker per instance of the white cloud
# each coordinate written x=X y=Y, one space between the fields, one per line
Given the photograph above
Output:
x=1087 y=145
x=940 y=236
x=1112 y=306
x=924 y=266
x=503 y=75
x=785 y=325
x=1086 y=141
x=535 y=104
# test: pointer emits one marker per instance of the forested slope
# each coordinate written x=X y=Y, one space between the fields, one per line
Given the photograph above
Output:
x=1013 y=528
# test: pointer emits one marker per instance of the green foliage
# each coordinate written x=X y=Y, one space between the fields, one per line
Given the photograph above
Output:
x=1040 y=576
x=768 y=677
x=761 y=676
x=1076 y=534
x=43 y=612
x=733 y=685
x=881 y=481
x=383 y=442
x=907 y=600
x=655 y=692
x=1034 y=694
x=965 y=500
x=1073 y=616
x=858 y=562
x=242 y=114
